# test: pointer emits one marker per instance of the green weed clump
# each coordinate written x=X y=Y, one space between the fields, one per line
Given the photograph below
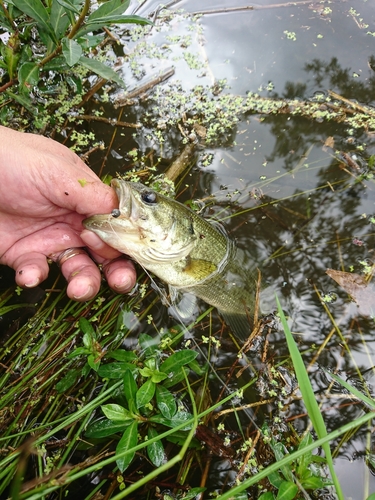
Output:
x=48 y=52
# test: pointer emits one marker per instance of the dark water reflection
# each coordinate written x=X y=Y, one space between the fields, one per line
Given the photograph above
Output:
x=311 y=212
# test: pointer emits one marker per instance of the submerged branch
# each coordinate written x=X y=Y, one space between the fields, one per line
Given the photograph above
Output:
x=126 y=99
x=109 y=121
x=226 y=10
x=182 y=163
x=341 y=111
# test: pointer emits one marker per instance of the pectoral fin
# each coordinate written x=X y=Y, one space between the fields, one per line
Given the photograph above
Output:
x=199 y=268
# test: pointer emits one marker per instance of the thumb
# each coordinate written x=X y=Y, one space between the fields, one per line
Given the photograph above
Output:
x=81 y=192
x=92 y=197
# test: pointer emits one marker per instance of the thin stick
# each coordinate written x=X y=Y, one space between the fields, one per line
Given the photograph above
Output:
x=249 y=7
x=126 y=99
x=115 y=123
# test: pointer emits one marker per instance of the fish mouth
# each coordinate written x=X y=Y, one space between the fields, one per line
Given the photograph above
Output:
x=129 y=209
x=128 y=203
x=124 y=196
x=96 y=222
x=123 y=193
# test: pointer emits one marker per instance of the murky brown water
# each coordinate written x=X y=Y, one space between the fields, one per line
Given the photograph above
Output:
x=324 y=214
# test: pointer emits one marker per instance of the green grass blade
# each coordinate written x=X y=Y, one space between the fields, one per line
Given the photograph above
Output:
x=308 y=397
x=355 y=392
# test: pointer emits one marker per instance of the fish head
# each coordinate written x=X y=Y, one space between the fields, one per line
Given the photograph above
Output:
x=147 y=226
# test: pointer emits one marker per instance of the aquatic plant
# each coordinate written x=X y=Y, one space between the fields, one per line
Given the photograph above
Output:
x=50 y=49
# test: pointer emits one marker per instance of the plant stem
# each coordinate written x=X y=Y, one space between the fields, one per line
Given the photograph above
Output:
x=80 y=20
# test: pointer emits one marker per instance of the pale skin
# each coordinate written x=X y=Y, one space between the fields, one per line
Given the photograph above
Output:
x=46 y=191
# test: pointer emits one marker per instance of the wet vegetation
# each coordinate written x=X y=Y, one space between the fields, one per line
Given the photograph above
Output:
x=115 y=398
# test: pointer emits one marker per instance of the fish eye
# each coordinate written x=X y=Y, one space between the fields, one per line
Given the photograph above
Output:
x=149 y=197
x=115 y=213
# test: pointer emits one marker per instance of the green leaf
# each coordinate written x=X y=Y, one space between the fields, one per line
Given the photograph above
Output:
x=87 y=341
x=68 y=6
x=36 y=10
x=105 y=21
x=85 y=370
x=28 y=76
x=280 y=452
x=130 y=386
x=103 y=428
x=67 y=381
x=155 y=450
x=117 y=413
x=197 y=368
x=4 y=23
x=145 y=393
x=109 y=8
x=165 y=402
x=122 y=355
x=101 y=70
x=158 y=377
x=86 y=328
x=78 y=351
x=116 y=370
x=312 y=483
x=176 y=378
x=59 y=19
x=267 y=496
x=287 y=491
x=24 y=100
x=146 y=372
x=240 y=496
x=178 y=418
x=56 y=64
x=72 y=51
x=93 y=361
x=275 y=479
x=305 y=460
x=193 y=493
x=150 y=363
x=11 y=58
x=176 y=361
x=88 y=41
x=127 y=442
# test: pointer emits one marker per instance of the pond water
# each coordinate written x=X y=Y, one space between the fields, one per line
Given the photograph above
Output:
x=323 y=211
x=297 y=193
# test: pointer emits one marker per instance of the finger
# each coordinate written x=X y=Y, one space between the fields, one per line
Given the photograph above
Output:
x=120 y=274
x=31 y=269
x=67 y=188
x=99 y=249
x=83 y=277
x=48 y=241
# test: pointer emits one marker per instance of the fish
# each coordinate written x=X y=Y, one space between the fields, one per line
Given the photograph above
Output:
x=187 y=252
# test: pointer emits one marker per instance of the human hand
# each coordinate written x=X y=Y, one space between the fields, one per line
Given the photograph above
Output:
x=46 y=191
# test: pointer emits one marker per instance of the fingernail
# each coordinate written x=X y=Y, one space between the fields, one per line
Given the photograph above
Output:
x=85 y=296
x=125 y=285
x=32 y=284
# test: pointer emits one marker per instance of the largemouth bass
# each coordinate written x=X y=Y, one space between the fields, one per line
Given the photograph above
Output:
x=184 y=250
